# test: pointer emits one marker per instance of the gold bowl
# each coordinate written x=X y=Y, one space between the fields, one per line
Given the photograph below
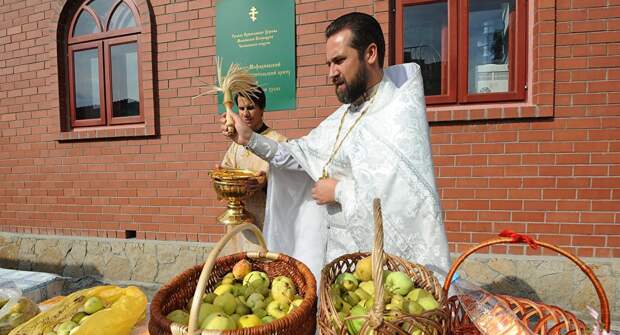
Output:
x=233 y=185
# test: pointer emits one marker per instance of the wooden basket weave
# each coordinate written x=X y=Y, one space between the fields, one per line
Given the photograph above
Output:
x=540 y=318
x=431 y=322
x=191 y=284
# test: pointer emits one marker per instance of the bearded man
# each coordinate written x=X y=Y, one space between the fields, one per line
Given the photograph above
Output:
x=376 y=145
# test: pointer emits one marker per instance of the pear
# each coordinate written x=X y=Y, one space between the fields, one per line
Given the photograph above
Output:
x=428 y=302
x=368 y=287
x=363 y=269
x=178 y=316
x=354 y=326
x=347 y=281
x=398 y=283
x=413 y=307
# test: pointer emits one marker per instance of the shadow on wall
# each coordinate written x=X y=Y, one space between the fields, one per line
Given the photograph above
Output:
x=91 y=276
x=513 y=286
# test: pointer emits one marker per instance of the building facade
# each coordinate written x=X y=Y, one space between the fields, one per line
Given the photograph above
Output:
x=523 y=104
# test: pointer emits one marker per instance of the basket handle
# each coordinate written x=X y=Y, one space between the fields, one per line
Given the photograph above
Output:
x=206 y=270
x=521 y=238
x=375 y=315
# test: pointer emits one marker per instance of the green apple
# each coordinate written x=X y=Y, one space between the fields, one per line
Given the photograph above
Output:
x=294 y=304
x=223 y=288
x=284 y=279
x=398 y=283
x=218 y=321
x=267 y=319
x=227 y=302
x=277 y=309
x=77 y=317
x=207 y=309
x=347 y=281
x=260 y=312
x=367 y=304
x=282 y=291
x=235 y=318
x=66 y=327
x=239 y=290
x=84 y=319
x=242 y=309
x=248 y=321
x=178 y=316
x=255 y=300
x=256 y=279
x=209 y=297
x=93 y=305
x=363 y=269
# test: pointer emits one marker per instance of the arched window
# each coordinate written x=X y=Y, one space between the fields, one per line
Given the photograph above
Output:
x=105 y=86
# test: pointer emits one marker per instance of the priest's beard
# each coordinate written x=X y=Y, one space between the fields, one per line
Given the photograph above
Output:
x=355 y=88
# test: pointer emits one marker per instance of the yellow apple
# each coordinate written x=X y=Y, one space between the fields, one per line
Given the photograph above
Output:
x=248 y=321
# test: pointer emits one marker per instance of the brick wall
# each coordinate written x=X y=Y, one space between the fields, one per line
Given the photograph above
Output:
x=554 y=175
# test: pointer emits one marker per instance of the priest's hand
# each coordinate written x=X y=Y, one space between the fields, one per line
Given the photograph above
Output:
x=324 y=191
x=242 y=132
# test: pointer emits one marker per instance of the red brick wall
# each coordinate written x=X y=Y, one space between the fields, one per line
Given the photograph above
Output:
x=556 y=177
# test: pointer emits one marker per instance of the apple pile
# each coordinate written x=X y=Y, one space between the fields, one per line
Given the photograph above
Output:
x=91 y=306
x=353 y=294
x=243 y=299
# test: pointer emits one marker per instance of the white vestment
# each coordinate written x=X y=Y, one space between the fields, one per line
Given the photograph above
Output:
x=387 y=155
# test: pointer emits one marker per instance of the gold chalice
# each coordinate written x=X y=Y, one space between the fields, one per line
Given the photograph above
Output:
x=233 y=185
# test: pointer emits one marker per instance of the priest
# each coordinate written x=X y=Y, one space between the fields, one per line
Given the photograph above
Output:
x=376 y=145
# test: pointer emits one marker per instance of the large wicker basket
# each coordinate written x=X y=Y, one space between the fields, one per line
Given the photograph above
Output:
x=431 y=322
x=540 y=318
x=193 y=282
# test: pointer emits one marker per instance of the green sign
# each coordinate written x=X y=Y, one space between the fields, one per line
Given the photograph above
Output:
x=259 y=35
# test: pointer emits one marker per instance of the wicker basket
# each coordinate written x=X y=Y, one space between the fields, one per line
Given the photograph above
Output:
x=431 y=322
x=193 y=282
x=540 y=318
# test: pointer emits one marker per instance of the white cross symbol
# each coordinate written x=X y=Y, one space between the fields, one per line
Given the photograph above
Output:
x=253 y=13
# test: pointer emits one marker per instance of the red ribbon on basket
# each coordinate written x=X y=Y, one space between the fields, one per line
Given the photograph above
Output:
x=519 y=238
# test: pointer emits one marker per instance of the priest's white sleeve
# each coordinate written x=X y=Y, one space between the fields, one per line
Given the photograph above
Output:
x=272 y=152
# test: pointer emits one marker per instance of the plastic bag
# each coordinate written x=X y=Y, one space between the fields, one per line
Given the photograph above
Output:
x=122 y=309
x=16 y=309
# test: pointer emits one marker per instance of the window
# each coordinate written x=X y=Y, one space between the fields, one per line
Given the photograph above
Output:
x=469 y=51
x=104 y=73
